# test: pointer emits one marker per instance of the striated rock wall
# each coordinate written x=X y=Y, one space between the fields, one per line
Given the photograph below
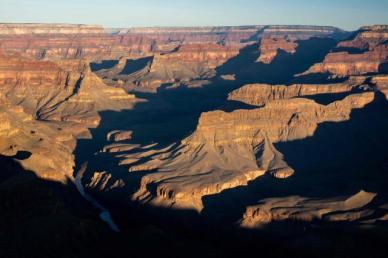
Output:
x=281 y=120
x=363 y=54
x=58 y=91
x=52 y=41
x=260 y=94
x=299 y=208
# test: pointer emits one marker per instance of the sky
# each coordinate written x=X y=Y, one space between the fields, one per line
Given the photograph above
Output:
x=345 y=14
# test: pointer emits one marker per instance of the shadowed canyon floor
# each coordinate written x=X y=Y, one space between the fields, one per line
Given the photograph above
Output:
x=225 y=141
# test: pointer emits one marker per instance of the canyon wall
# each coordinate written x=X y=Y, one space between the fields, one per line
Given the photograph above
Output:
x=229 y=132
x=366 y=52
x=51 y=41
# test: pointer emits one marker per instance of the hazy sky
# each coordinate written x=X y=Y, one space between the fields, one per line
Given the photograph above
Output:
x=346 y=14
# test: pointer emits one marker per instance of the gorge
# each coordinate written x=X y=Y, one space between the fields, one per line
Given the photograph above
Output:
x=193 y=137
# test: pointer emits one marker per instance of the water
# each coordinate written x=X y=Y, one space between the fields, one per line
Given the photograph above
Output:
x=105 y=214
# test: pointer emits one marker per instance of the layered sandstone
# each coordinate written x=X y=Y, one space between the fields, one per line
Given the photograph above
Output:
x=297 y=208
x=302 y=32
x=366 y=53
x=51 y=41
x=260 y=94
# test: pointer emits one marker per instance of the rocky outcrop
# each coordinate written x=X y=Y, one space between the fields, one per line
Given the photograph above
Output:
x=297 y=208
x=260 y=94
x=365 y=53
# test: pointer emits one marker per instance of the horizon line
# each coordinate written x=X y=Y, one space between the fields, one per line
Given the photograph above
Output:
x=178 y=26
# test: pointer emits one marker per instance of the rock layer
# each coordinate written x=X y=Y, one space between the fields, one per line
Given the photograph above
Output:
x=366 y=53
x=58 y=91
x=297 y=208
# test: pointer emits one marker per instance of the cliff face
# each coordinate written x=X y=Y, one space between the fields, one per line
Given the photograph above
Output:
x=260 y=94
x=60 y=91
x=366 y=53
x=350 y=208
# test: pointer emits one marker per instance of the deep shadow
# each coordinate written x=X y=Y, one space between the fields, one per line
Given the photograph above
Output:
x=383 y=68
x=172 y=114
x=48 y=219
x=284 y=66
x=232 y=105
x=132 y=66
x=351 y=50
x=327 y=98
x=105 y=64
x=319 y=78
x=40 y=218
x=22 y=155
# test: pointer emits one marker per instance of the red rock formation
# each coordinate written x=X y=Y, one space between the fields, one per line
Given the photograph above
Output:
x=363 y=54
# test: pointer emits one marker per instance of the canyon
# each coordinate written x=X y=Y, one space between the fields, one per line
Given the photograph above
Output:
x=235 y=128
